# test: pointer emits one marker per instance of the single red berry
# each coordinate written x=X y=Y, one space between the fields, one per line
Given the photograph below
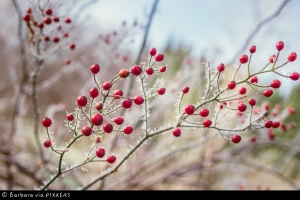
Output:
x=138 y=100
x=272 y=59
x=185 y=90
x=206 y=123
x=252 y=49
x=127 y=103
x=161 y=91
x=119 y=120
x=111 y=159
x=124 y=73
x=279 y=45
x=252 y=102
x=253 y=139
x=72 y=46
x=108 y=128
x=275 y=84
x=81 y=101
x=152 y=52
x=221 y=106
x=176 y=132
x=221 y=67
x=29 y=10
x=149 y=70
x=276 y=124
x=107 y=85
x=204 y=112
x=47 y=143
x=243 y=90
x=266 y=106
x=48 y=11
x=86 y=130
x=292 y=56
x=55 y=19
x=95 y=68
x=243 y=59
x=254 y=79
x=56 y=39
x=97 y=139
x=68 y=20
x=163 y=69
x=291 y=110
x=100 y=152
x=47 y=20
x=268 y=124
x=118 y=94
x=99 y=106
x=67 y=61
x=268 y=93
x=242 y=107
x=41 y=25
x=136 y=70
x=97 y=119
x=231 y=85
x=94 y=92
x=236 y=138
x=189 y=109
x=294 y=76
x=46 y=122
x=159 y=57
x=271 y=135
x=26 y=18
x=127 y=130
x=66 y=34
x=70 y=117
x=46 y=38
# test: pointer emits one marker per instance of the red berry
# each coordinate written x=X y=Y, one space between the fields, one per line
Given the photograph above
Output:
x=266 y=106
x=46 y=122
x=55 y=19
x=161 y=91
x=70 y=117
x=252 y=102
x=97 y=119
x=236 y=138
x=28 y=10
x=189 y=109
x=119 y=120
x=118 y=94
x=292 y=56
x=138 y=100
x=163 y=69
x=253 y=139
x=243 y=90
x=231 y=85
x=185 y=90
x=107 y=85
x=97 y=139
x=253 y=79
x=291 y=110
x=48 y=11
x=176 y=132
x=204 y=112
x=95 y=68
x=100 y=152
x=221 y=106
x=271 y=135
x=124 y=73
x=275 y=84
x=268 y=124
x=86 y=130
x=99 y=106
x=244 y=59
x=72 y=46
x=252 y=49
x=136 y=70
x=82 y=101
x=56 y=39
x=111 y=159
x=66 y=34
x=41 y=25
x=47 y=20
x=206 y=123
x=108 y=128
x=26 y=18
x=276 y=124
x=67 y=61
x=47 y=143
x=94 y=92
x=221 y=67
x=242 y=107
x=294 y=76
x=279 y=45
x=127 y=103
x=149 y=70
x=68 y=20
x=272 y=59
x=152 y=52
x=46 y=38
x=268 y=93
x=127 y=130
x=159 y=57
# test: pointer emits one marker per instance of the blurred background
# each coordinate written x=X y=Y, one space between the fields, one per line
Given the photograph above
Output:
x=41 y=78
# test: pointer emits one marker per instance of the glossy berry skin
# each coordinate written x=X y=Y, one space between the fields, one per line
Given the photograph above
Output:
x=204 y=112
x=221 y=67
x=86 y=130
x=119 y=120
x=46 y=122
x=111 y=159
x=118 y=94
x=99 y=106
x=70 y=117
x=272 y=59
x=127 y=130
x=161 y=91
x=294 y=76
x=163 y=69
x=243 y=90
x=252 y=49
x=268 y=93
x=206 y=123
x=72 y=46
x=243 y=59
x=276 y=124
x=159 y=57
x=254 y=79
x=231 y=85
x=152 y=52
x=242 y=107
x=268 y=124
x=100 y=152
x=176 y=132
x=136 y=70
x=48 y=11
x=81 y=101
x=123 y=73
x=47 y=143
x=97 y=119
x=107 y=85
x=149 y=70
x=138 y=100
x=292 y=57
x=279 y=45
x=68 y=20
x=275 y=84
x=94 y=92
x=108 y=128
x=47 y=20
x=252 y=102
x=185 y=90
x=127 y=103
x=56 y=39
x=189 y=109
x=236 y=138
x=95 y=68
